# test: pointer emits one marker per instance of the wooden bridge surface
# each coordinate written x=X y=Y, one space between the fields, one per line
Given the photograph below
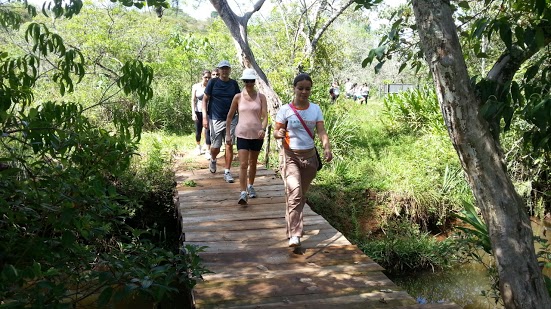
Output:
x=251 y=263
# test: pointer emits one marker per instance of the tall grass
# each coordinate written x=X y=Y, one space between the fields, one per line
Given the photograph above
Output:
x=394 y=167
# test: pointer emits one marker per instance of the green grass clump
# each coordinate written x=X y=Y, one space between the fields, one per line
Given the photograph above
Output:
x=405 y=248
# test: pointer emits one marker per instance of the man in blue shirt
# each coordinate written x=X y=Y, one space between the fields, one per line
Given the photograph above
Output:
x=217 y=100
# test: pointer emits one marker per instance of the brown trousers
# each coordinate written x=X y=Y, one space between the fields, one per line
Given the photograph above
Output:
x=298 y=170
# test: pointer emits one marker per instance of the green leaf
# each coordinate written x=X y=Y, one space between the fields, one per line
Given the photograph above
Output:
x=464 y=5
x=506 y=34
x=480 y=26
x=380 y=51
x=540 y=37
x=519 y=35
x=37 y=270
x=105 y=297
x=516 y=94
x=379 y=66
x=531 y=72
x=10 y=273
x=403 y=66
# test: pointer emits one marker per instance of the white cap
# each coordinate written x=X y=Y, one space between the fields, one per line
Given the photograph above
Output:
x=248 y=74
x=224 y=63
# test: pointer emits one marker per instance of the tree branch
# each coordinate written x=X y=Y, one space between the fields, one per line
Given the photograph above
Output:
x=326 y=25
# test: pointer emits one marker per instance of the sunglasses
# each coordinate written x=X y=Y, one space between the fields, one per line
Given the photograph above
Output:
x=248 y=81
x=214 y=74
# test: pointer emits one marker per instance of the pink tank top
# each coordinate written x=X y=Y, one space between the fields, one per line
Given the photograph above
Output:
x=249 y=118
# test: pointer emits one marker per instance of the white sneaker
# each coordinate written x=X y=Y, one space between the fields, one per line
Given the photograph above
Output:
x=294 y=241
x=251 y=191
x=207 y=155
x=228 y=177
x=212 y=166
x=199 y=150
x=242 y=198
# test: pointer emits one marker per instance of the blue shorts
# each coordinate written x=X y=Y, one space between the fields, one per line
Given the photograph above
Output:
x=249 y=144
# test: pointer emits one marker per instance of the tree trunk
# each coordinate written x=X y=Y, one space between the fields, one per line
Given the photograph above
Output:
x=238 y=29
x=521 y=281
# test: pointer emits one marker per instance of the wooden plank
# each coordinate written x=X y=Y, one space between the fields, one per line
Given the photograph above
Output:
x=251 y=224
x=306 y=297
x=306 y=254
x=268 y=271
x=260 y=244
x=259 y=234
x=241 y=211
x=238 y=214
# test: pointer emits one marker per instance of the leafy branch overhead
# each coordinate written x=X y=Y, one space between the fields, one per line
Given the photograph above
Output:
x=512 y=37
x=71 y=203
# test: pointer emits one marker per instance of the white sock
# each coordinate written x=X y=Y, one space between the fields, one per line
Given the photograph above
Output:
x=249 y=186
x=226 y=170
x=243 y=192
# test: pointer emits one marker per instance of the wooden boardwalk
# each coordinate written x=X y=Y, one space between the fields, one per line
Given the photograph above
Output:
x=251 y=263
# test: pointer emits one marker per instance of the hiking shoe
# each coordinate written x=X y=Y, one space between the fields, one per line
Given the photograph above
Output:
x=212 y=166
x=252 y=192
x=242 y=198
x=199 y=150
x=207 y=155
x=228 y=178
x=294 y=241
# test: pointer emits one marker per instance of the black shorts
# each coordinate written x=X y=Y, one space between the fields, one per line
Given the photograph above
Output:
x=249 y=144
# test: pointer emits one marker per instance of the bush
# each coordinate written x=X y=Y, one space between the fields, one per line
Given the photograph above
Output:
x=404 y=248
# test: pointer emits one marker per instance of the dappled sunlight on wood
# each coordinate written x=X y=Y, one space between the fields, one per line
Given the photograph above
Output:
x=253 y=267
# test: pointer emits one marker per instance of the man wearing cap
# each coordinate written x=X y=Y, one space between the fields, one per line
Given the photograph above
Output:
x=217 y=101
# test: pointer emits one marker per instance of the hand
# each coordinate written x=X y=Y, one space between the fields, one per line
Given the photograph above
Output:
x=205 y=123
x=280 y=133
x=228 y=139
x=327 y=155
x=261 y=134
x=194 y=116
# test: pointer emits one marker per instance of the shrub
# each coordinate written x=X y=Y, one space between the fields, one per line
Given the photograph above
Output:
x=404 y=248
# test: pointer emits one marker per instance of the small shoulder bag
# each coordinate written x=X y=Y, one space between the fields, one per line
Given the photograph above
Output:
x=320 y=164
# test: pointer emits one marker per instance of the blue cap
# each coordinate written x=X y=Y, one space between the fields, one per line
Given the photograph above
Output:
x=224 y=63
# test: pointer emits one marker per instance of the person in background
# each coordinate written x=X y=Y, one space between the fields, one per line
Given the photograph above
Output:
x=348 y=88
x=215 y=73
x=217 y=100
x=299 y=161
x=250 y=130
x=364 y=91
x=334 y=91
x=197 y=92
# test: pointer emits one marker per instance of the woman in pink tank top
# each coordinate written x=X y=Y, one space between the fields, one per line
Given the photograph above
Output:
x=252 y=110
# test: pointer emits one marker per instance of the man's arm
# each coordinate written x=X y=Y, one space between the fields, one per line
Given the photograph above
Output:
x=205 y=103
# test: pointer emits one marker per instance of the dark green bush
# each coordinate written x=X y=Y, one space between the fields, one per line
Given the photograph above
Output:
x=65 y=232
